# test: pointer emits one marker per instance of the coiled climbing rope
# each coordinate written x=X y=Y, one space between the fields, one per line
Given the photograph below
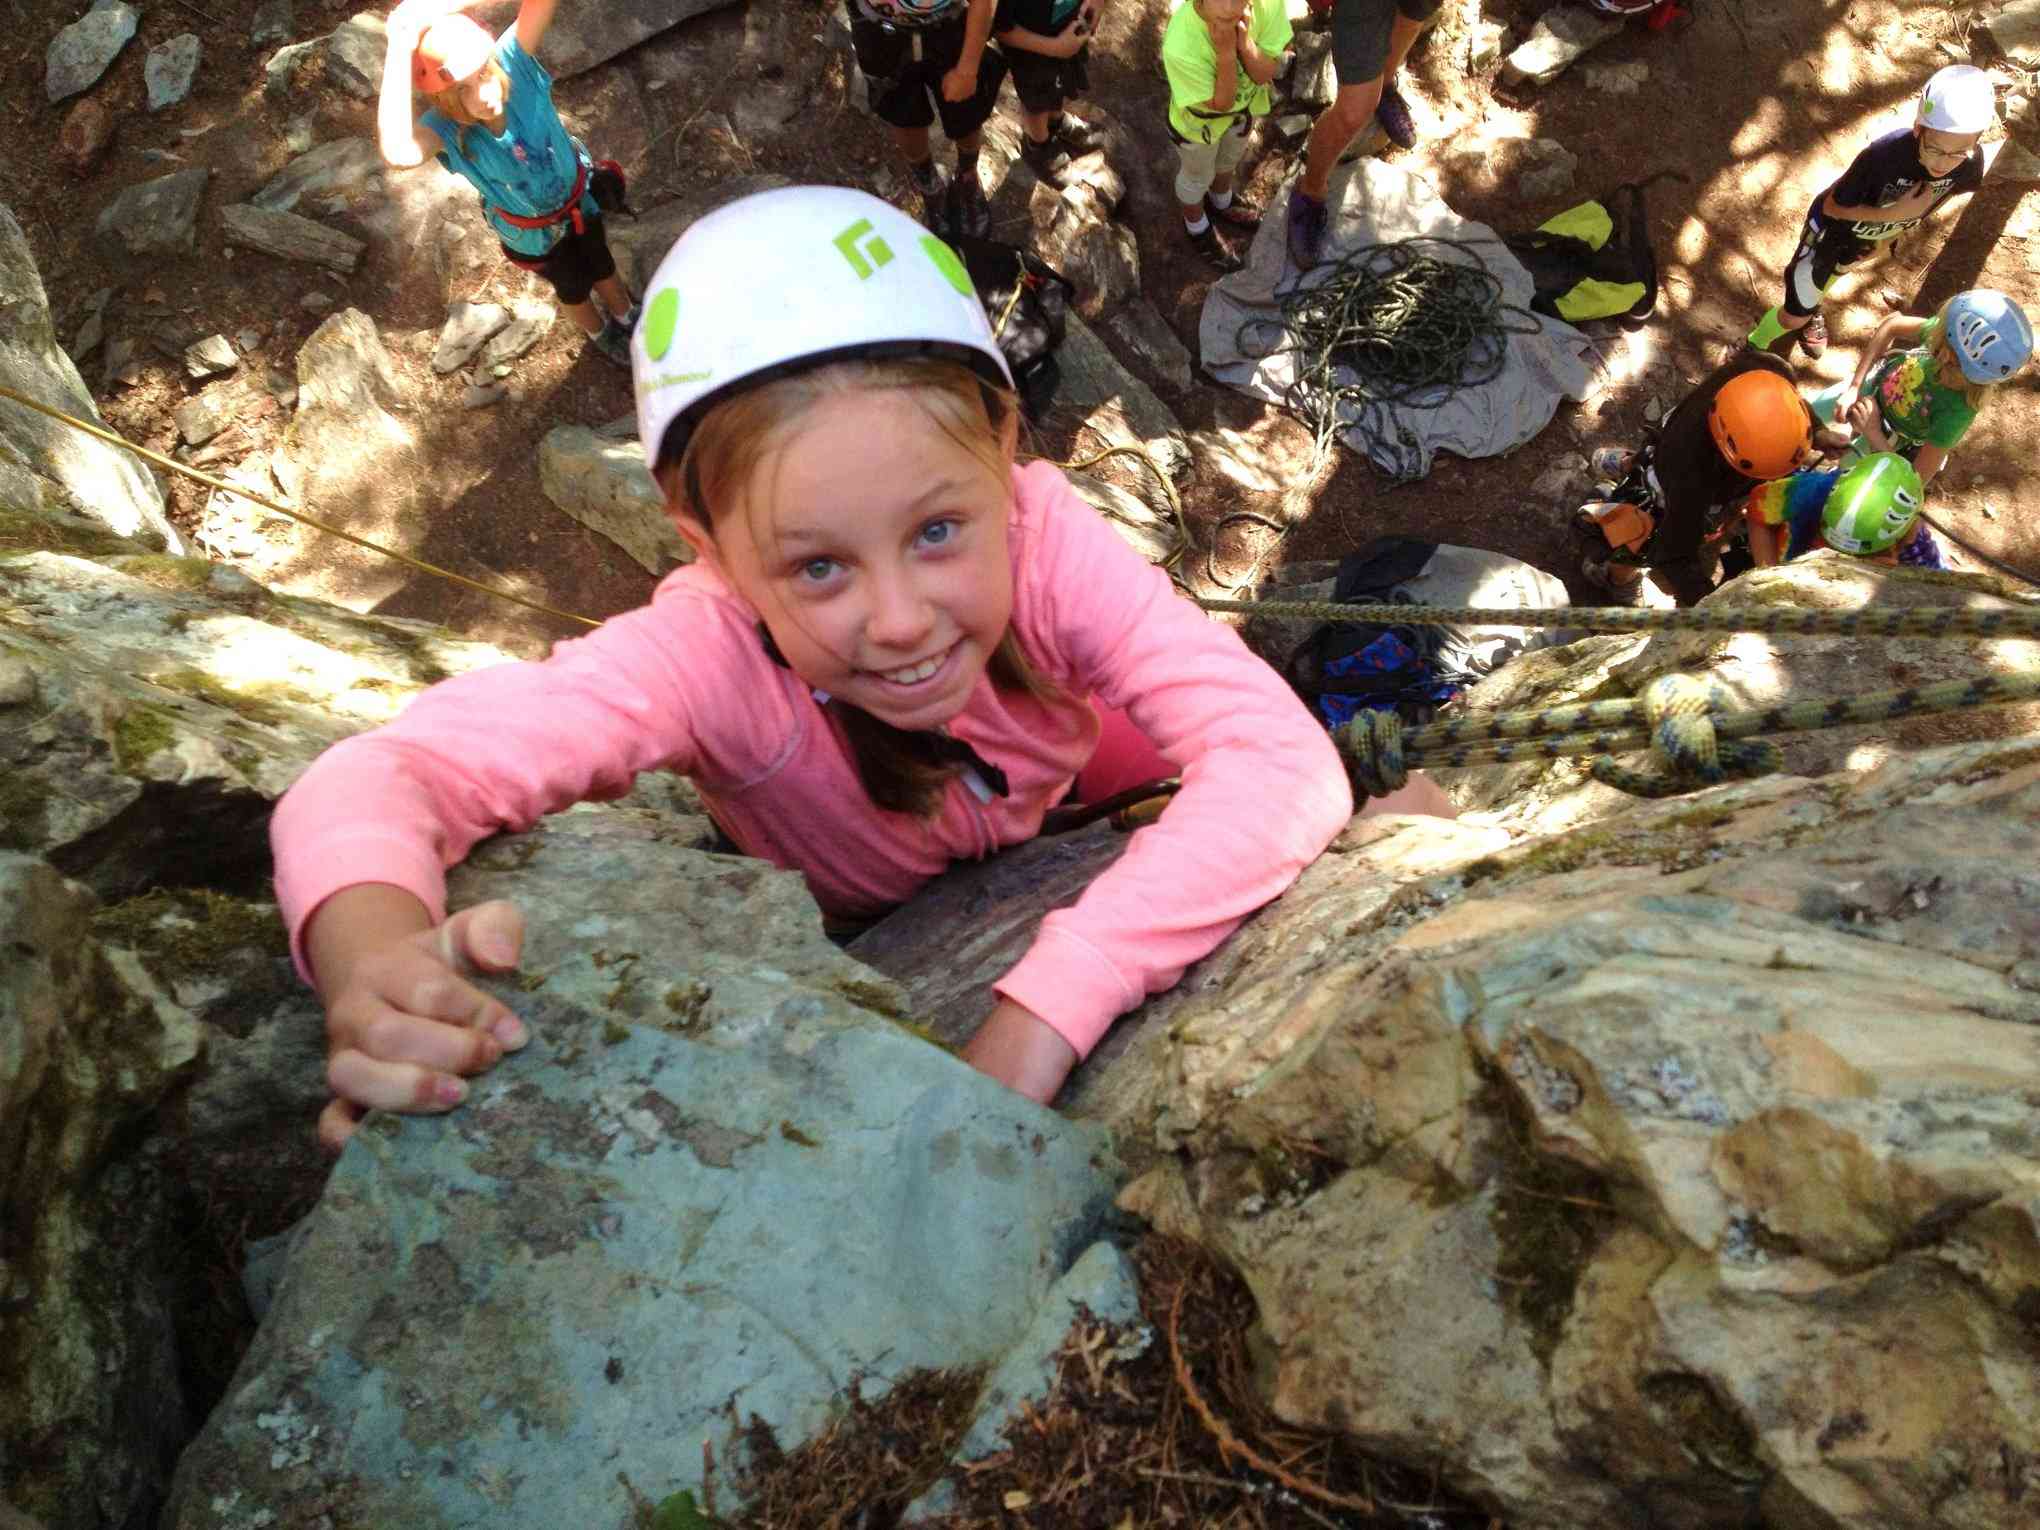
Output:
x=1396 y=323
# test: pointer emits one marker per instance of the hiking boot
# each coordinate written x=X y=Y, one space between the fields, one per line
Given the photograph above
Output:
x=1235 y=214
x=969 y=213
x=1611 y=463
x=1074 y=135
x=1216 y=252
x=1393 y=113
x=1309 y=221
x=1047 y=159
x=613 y=341
x=1616 y=592
x=1813 y=337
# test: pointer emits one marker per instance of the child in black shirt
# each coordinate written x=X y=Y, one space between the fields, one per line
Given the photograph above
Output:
x=1047 y=46
x=1888 y=188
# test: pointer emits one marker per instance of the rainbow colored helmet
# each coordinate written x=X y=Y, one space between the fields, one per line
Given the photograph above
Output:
x=1873 y=506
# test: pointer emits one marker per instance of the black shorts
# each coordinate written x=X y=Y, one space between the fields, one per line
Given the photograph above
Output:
x=574 y=264
x=1044 y=83
x=1824 y=249
x=904 y=68
x=1360 y=31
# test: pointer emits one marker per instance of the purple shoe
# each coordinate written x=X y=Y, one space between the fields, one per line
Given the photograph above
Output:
x=1308 y=222
x=1393 y=113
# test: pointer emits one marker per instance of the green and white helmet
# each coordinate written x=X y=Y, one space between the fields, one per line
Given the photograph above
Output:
x=788 y=279
x=1873 y=506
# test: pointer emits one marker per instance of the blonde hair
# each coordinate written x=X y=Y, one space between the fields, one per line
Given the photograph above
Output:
x=448 y=102
x=1945 y=360
x=902 y=771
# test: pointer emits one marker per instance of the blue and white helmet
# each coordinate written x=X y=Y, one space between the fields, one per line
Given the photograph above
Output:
x=1990 y=334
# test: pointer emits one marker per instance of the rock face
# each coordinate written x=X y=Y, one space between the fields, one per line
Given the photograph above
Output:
x=580 y=39
x=1562 y=36
x=354 y=54
x=49 y=463
x=95 y=1410
x=651 y=1218
x=82 y=51
x=158 y=217
x=2016 y=30
x=337 y=166
x=289 y=237
x=1118 y=405
x=605 y=485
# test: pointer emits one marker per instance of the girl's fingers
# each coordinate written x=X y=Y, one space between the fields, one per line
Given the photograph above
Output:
x=394 y=1037
x=364 y=1083
x=337 y=1123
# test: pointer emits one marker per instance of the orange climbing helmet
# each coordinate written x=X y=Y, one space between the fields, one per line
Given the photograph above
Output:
x=1761 y=424
x=454 y=48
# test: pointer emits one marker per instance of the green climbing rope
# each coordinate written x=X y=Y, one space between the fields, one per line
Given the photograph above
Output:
x=1397 y=323
x=1687 y=722
x=1769 y=621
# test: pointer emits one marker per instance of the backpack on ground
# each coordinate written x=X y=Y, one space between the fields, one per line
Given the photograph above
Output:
x=1028 y=302
x=1593 y=261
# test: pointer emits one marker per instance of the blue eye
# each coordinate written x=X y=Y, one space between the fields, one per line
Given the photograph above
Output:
x=936 y=533
x=815 y=570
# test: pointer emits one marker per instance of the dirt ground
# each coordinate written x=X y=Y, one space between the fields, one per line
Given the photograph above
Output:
x=1759 y=110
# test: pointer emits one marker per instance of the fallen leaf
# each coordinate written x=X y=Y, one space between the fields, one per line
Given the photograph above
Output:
x=1015 y=1499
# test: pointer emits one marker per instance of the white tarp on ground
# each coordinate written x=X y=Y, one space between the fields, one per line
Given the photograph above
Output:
x=1373 y=202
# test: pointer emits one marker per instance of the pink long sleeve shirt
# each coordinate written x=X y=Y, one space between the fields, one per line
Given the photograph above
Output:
x=685 y=684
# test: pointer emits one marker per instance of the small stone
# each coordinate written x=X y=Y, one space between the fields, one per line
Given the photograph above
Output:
x=86 y=136
x=1293 y=128
x=17 y=682
x=481 y=396
x=1617 y=79
x=468 y=327
x=250 y=338
x=210 y=356
x=199 y=419
x=93 y=329
x=279 y=75
x=299 y=134
x=529 y=320
x=315 y=302
x=158 y=217
x=1484 y=43
x=501 y=369
x=82 y=51
x=123 y=363
x=169 y=70
x=354 y=55
x=1561 y=36
x=274 y=23
x=1653 y=411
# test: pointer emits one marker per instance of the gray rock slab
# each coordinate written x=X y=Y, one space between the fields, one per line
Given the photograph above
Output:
x=640 y=246
x=202 y=417
x=169 y=70
x=1561 y=37
x=335 y=166
x=2016 y=30
x=583 y=36
x=354 y=54
x=93 y=327
x=82 y=51
x=530 y=318
x=210 y=356
x=290 y=237
x=605 y=485
x=158 y=217
x=74 y=471
x=627 y=1225
x=1115 y=403
x=279 y=74
x=467 y=326
x=1140 y=327
x=1554 y=166
x=1148 y=531
x=275 y=22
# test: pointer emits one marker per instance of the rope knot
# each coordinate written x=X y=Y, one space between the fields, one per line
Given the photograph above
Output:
x=1682 y=732
x=1372 y=746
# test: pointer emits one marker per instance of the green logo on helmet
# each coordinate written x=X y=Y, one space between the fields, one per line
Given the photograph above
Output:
x=875 y=252
x=946 y=262
x=661 y=317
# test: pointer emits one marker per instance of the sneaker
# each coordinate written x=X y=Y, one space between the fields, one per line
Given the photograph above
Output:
x=1216 y=252
x=1235 y=214
x=1611 y=463
x=969 y=213
x=1617 y=592
x=1309 y=222
x=1393 y=113
x=1048 y=159
x=1813 y=337
x=630 y=319
x=614 y=343
x=1074 y=135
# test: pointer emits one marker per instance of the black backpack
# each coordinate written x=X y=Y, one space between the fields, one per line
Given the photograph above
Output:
x=1594 y=260
x=1028 y=302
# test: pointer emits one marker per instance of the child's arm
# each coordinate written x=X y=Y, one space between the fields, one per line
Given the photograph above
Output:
x=1063 y=45
x=533 y=17
x=1928 y=461
x=1261 y=68
x=404 y=141
x=1896 y=329
x=961 y=83
x=1766 y=541
x=1225 y=85
x=1913 y=204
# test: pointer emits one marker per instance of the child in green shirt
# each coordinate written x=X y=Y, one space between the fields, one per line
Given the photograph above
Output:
x=1220 y=57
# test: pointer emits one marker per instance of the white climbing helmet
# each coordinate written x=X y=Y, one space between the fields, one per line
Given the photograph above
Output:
x=1958 y=99
x=1991 y=334
x=792 y=278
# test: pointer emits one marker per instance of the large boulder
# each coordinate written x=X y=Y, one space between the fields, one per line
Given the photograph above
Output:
x=83 y=51
x=604 y=484
x=159 y=216
x=645 y=1215
x=92 y=1409
x=45 y=462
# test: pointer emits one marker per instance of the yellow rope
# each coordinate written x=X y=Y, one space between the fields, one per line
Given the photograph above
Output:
x=174 y=466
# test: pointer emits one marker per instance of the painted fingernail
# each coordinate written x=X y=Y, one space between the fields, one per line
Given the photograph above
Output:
x=451 y=1091
x=510 y=1032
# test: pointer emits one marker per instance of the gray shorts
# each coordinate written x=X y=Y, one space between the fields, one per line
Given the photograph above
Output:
x=1360 y=34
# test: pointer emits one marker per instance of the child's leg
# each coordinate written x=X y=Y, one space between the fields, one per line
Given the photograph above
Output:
x=1815 y=263
x=1123 y=759
x=1196 y=174
x=1231 y=148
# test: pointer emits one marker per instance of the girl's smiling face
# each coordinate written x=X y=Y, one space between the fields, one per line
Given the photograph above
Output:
x=872 y=542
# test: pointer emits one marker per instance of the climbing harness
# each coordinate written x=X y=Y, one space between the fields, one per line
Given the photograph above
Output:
x=1395 y=323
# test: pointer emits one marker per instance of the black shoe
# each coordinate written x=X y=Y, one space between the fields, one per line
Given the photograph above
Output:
x=1047 y=159
x=1074 y=135
x=1216 y=252
x=1235 y=214
x=969 y=213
